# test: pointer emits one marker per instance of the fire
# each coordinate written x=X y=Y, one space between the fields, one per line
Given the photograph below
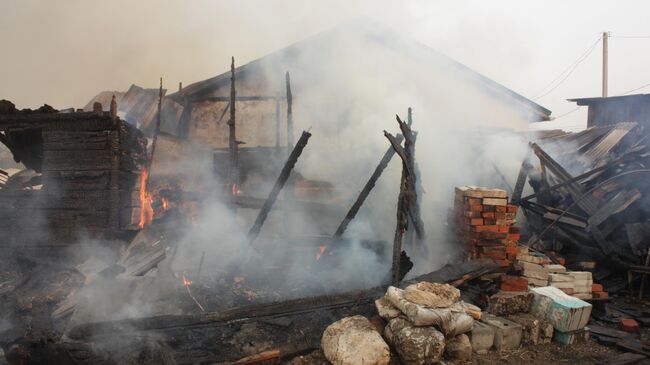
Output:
x=165 y=203
x=234 y=190
x=321 y=251
x=186 y=281
x=146 y=210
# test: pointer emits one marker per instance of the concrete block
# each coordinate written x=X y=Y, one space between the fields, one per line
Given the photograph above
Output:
x=481 y=337
x=565 y=312
x=458 y=348
x=507 y=334
x=531 y=327
x=571 y=338
x=505 y=303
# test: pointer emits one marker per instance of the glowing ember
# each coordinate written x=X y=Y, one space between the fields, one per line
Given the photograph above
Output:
x=165 y=203
x=321 y=251
x=146 y=210
x=186 y=281
x=235 y=190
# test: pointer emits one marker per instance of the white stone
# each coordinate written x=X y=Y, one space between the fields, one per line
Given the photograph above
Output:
x=354 y=341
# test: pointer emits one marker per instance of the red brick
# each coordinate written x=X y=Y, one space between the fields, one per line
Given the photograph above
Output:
x=473 y=201
x=511 y=256
x=628 y=325
x=503 y=229
x=596 y=287
x=600 y=295
x=513 y=283
x=474 y=208
x=511 y=208
x=512 y=249
x=488 y=235
x=494 y=255
x=489 y=215
x=475 y=221
x=501 y=209
x=489 y=208
x=472 y=214
x=514 y=236
x=515 y=229
x=503 y=263
x=486 y=229
x=500 y=215
x=490 y=222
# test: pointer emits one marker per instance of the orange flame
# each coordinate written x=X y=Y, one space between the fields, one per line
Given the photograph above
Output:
x=186 y=281
x=165 y=203
x=321 y=251
x=146 y=210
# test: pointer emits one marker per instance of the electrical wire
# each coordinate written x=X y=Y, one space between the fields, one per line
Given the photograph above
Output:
x=567 y=113
x=633 y=90
x=568 y=71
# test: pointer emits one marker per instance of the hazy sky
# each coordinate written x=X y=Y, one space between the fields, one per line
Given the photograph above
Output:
x=64 y=52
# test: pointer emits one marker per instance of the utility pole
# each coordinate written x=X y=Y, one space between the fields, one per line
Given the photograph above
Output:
x=605 y=37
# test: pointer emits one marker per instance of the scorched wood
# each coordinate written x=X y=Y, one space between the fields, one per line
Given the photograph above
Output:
x=279 y=183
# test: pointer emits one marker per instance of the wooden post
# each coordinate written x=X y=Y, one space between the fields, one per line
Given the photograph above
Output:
x=156 y=129
x=233 y=172
x=279 y=183
x=289 y=112
x=354 y=209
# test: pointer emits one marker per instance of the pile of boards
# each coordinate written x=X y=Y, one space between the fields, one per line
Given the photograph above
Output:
x=484 y=221
x=590 y=195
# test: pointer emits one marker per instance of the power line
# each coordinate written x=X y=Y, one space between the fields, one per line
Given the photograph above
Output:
x=567 y=113
x=567 y=72
x=629 y=36
x=633 y=90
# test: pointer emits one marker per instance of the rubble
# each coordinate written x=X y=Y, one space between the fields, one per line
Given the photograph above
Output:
x=505 y=303
x=458 y=348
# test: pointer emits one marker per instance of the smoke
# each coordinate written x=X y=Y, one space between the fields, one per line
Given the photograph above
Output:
x=348 y=84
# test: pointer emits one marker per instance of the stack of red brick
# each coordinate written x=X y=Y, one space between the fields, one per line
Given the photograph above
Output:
x=598 y=292
x=484 y=222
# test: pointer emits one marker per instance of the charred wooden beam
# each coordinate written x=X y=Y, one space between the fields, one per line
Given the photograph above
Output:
x=370 y=184
x=238 y=98
x=233 y=175
x=156 y=130
x=289 y=111
x=279 y=184
x=524 y=170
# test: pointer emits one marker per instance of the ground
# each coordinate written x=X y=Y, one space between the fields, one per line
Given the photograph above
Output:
x=548 y=354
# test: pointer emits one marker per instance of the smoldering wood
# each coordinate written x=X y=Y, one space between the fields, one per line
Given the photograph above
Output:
x=413 y=205
x=156 y=130
x=367 y=188
x=238 y=98
x=211 y=337
x=524 y=170
x=277 y=187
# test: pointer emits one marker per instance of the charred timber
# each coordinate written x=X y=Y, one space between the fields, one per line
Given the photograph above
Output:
x=279 y=184
x=358 y=203
x=232 y=137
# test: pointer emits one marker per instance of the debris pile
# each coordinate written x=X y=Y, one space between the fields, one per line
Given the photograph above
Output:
x=484 y=222
x=590 y=199
x=427 y=321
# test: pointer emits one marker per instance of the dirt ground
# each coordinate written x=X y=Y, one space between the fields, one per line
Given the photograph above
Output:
x=553 y=353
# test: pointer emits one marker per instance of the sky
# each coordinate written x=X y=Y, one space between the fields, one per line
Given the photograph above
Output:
x=64 y=52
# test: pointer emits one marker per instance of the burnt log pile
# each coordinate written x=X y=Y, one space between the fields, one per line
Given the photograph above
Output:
x=237 y=335
x=590 y=197
x=91 y=163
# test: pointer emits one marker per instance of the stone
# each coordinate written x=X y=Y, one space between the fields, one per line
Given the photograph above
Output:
x=432 y=295
x=419 y=345
x=394 y=326
x=507 y=334
x=354 y=340
x=481 y=337
x=571 y=338
x=566 y=313
x=458 y=348
x=505 y=303
x=386 y=310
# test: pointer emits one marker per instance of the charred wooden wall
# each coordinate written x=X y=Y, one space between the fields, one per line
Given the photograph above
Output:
x=91 y=166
